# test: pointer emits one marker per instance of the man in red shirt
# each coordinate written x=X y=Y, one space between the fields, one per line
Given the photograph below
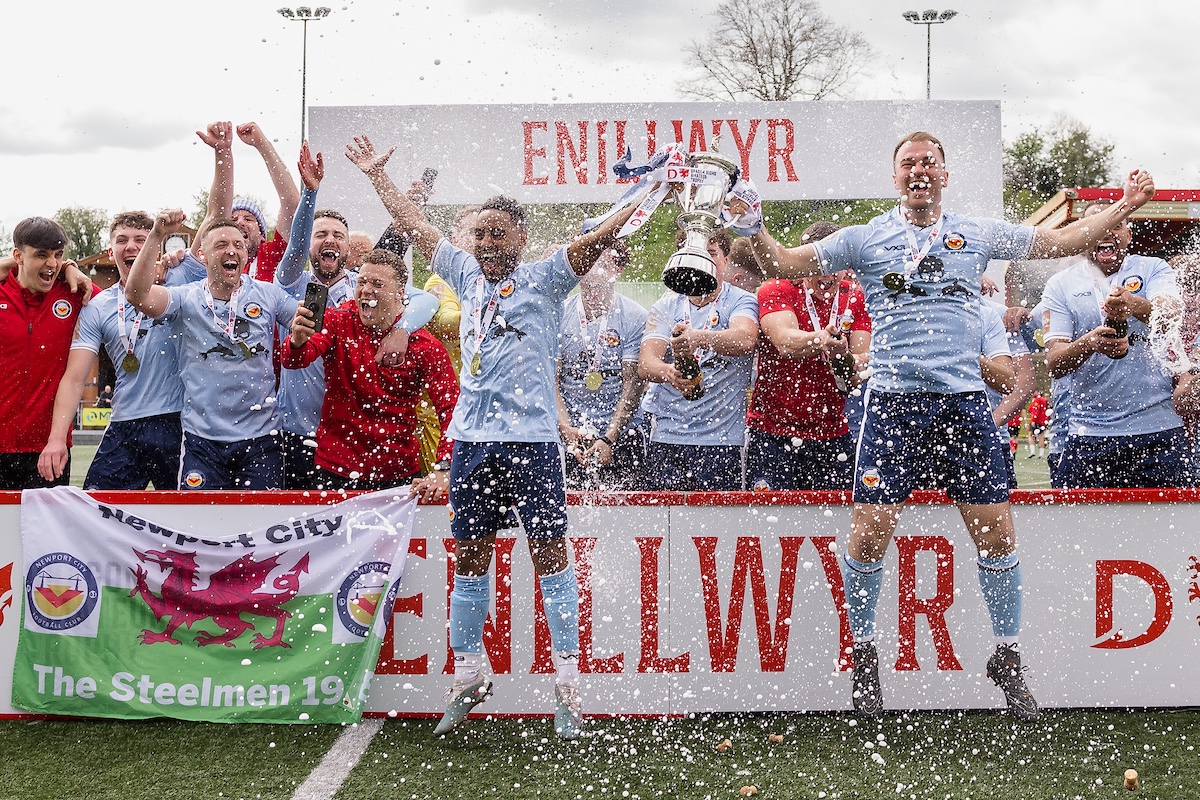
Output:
x=366 y=438
x=1039 y=419
x=799 y=435
x=37 y=319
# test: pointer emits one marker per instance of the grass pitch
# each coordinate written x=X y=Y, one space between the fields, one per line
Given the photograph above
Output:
x=950 y=755
x=822 y=756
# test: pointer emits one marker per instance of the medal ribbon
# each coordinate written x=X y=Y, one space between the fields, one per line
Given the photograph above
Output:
x=127 y=341
x=583 y=324
x=229 y=326
x=811 y=307
x=481 y=325
x=918 y=255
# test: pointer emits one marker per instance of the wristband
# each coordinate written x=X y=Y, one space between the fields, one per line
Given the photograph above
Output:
x=608 y=441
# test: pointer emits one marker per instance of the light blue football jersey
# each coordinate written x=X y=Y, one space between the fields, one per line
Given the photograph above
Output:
x=605 y=343
x=719 y=417
x=1122 y=397
x=228 y=384
x=155 y=387
x=512 y=398
x=923 y=334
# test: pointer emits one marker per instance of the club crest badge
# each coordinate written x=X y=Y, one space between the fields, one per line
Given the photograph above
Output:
x=61 y=309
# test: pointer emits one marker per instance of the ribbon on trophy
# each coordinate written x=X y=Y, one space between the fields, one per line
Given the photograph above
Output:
x=750 y=221
x=666 y=167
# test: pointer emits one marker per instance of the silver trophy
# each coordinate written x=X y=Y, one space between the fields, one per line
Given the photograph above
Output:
x=691 y=270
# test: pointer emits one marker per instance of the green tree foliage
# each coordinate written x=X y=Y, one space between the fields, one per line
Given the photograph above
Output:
x=86 y=227
x=1038 y=164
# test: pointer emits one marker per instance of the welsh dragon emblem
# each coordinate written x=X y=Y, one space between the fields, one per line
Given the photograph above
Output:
x=233 y=592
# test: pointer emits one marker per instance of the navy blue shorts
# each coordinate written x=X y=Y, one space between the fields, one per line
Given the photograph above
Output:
x=249 y=464
x=928 y=439
x=781 y=462
x=1145 y=461
x=137 y=452
x=694 y=467
x=492 y=481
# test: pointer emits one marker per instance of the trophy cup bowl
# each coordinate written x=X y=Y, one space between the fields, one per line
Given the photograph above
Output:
x=691 y=271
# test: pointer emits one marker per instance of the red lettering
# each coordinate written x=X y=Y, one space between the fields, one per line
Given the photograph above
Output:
x=583 y=573
x=530 y=152
x=497 y=630
x=934 y=608
x=568 y=149
x=748 y=567
x=388 y=664
x=837 y=591
x=677 y=124
x=1163 y=605
x=650 y=660
x=602 y=152
x=744 y=148
x=651 y=138
x=543 y=660
x=774 y=151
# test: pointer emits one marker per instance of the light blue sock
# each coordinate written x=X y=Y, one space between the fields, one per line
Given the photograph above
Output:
x=862 y=595
x=560 y=596
x=1000 y=579
x=468 y=609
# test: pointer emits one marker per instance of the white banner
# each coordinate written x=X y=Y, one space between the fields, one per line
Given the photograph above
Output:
x=564 y=153
x=732 y=608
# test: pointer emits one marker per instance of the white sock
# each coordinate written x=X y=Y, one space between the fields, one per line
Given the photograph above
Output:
x=466 y=666
x=566 y=665
x=1010 y=641
x=1041 y=452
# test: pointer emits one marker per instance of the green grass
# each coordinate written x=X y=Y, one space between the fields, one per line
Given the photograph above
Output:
x=81 y=459
x=177 y=760
x=917 y=755
x=1077 y=754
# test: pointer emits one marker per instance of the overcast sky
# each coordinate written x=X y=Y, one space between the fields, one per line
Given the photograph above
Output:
x=101 y=100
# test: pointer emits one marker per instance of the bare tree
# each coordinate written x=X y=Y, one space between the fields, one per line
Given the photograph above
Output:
x=773 y=50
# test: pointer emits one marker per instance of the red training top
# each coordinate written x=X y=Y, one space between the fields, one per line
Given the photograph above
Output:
x=1037 y=411
x=266 y=261
x=35 y=338
x=369 y=414
x=799 y=398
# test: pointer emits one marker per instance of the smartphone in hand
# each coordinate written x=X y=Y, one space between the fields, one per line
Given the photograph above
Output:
x=316 y=297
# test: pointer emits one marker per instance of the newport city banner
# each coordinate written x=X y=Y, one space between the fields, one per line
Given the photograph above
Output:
x=128 y=618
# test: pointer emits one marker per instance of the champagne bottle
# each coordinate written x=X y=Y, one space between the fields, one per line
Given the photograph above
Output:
x=686 y=363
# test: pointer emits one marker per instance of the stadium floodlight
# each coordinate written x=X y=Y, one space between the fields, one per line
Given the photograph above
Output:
x=305 y=15
x=929 y=18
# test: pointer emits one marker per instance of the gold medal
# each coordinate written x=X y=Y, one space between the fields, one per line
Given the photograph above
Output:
x=893 y=281
x=476 y=364
x=246 y=351
x=593 y=380
x=130 y=363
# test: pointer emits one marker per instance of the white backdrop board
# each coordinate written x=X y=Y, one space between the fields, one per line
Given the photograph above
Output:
x=698 y=603
x=563 y=153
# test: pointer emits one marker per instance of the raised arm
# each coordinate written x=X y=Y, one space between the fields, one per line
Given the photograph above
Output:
x=778 y=261
x=140 y=289
x=583 y=250
x=218 y=136
x=1083 y=234
x=285 y=187
x=291 y=266
x=406 y=214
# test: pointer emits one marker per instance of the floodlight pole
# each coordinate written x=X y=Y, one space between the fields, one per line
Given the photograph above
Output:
x=304 y=15
x=929 y=18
